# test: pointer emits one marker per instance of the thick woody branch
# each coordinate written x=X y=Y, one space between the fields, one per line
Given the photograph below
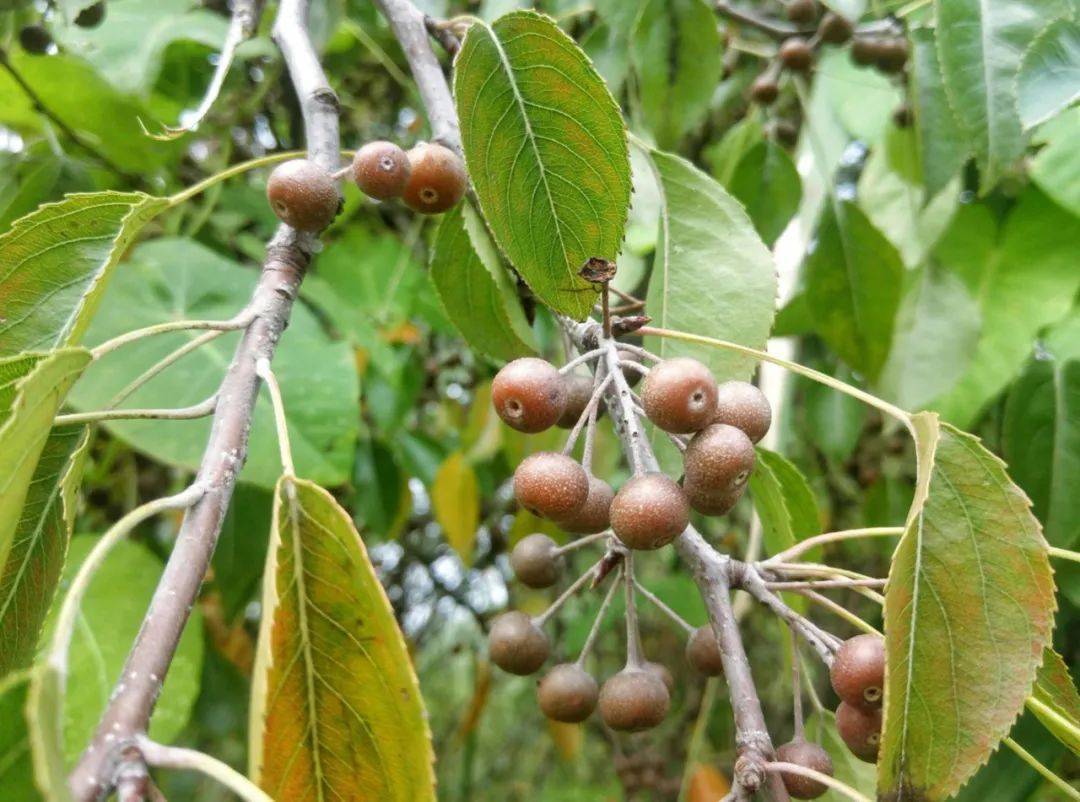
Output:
x=288 y=255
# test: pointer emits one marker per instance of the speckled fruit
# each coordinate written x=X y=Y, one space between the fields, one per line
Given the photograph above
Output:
x=802 y=12
x=550 y=484
x=529 y=394
x=516 y=644
x=809 y=756
x=536 y=561
x=595 y=514
x=437 y=179
x=679 y=395
x=796 y=54
x=661 y=671
x=744 y=406
x=764 y=90
x=703 y=652
x=858 y=671
x=579 y=390
x=835 y=29
x=634 y=699
x=711 y=501
x=381 y=170
x=860 y=730
x=567 y=693
x=718 y=458
x=649 y=511
x=303 y=195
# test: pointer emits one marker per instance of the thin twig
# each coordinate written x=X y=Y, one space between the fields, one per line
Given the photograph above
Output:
x=804 y=546
x=594 y=631
x=262 y=368
x=200 y=410
x=1034 y=762
x=775 y=29
x=1064 y=554
x=818 y=584
x=162 y=364
x=777 y=767
x=658 y=602
x=796 y=687
x=582 y=541
x=241 y=321
x=589 y=411
x=175 y=757
x=637 y=350
x=578 y=584
x=838 y=609
x=634 y=656
x=588 y=356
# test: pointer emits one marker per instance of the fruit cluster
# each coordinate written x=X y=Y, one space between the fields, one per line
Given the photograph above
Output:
x=429 y=179
x=36 y=39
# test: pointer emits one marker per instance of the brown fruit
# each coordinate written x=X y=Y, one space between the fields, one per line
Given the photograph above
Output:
x=703 y=652
x=892 y=55
x=661 y=671
x=579 y=390
x=91 y=16
x=550 y=484
x=529 y=394
x=303 y=195
x=744 y=406
x=835 y=29
x=567 y=693
x=864 y=50
x=649 y=511
x=764 y=90
x=858 y=671
x=902 y=116
x=381 y=170
x=786 y=133
x=711 y=501
x=809 y=756
x=802 y=12
x=679 y=395
x=516 y=644
x=634 y=699
x=718 y=458
x=796 y=54
x=437 y=180
x=860 y=730
x=536 y=561
x=595 y=514
x=35 y=39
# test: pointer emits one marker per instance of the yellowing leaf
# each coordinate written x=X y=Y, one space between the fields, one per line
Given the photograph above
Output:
x=336 y=712
x=968 y=613
x=455 y=500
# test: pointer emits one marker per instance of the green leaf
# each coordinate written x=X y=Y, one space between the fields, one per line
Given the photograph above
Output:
x=943 y=144
x=546 y=150
x=712 y=274
x=1049 y=79
x=821 y=728
x=677 y=55
x=1057 y=704
x=1023 y=279
x=724 y=156
x=335 y=702
x=16 y=760
x=768 y=185
x=174 y=279
x=1040 y=440
x=478 y=294
x=1056 y=168
x=937 y=329
x=853 y=280
x=784 y=502
x=382 y=502
x=59 y=260
x=968 y=611
x=32 y=388
x=110 y=616
x=455 y=501
x=29 y=578
x=980 y=46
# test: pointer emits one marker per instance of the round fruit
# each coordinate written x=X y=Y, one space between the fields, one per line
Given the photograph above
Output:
x=567 y=693
x=864 y=50
x=679 y=395
x=744 y=406
x=861 y=730
x=536 y=561
x=35 y=39
x=550 y=484
x=634 y=699
x=802 y=12
x=892 y=54
x=91 y=16
x=516 y=644
x=712 y=501
x=381 y=170
x=786 y=133
x=809 y=756
x=595 y=514
x=303 y=195
x=649 y=511
x=703 y=652
x=529 y=394
x=579 y=390
x=902 y=115
x=835 y=29
x=764 y=90
x=661 y=671
x=858 y=671
x=796 y=54
x=437 y=180
x=718 y=458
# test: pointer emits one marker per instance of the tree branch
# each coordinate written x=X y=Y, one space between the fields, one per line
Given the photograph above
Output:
x=288 y=255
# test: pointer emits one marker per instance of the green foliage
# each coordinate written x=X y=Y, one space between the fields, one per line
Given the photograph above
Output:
x=546 y=150
x=784 y=501
x=1049 y=77
x=1055 y=701
x=943 y=144
x=766 y=182
x=1056 y=168
x=16 y=759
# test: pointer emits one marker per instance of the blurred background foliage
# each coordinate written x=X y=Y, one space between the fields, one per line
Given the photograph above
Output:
x=977 y=319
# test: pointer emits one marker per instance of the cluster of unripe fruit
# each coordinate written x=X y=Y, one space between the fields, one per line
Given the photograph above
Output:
x=36 y=39
x=429 y=179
